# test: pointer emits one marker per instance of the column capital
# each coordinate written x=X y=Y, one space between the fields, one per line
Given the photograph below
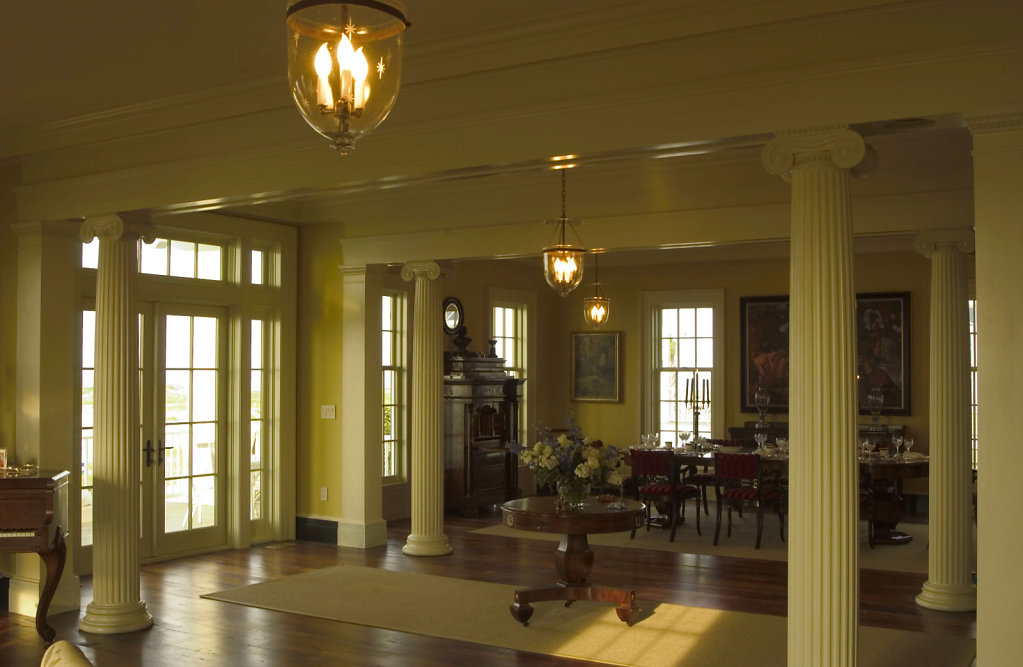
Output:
x=429 y=270
x=836 y=144
x=927 y=242
x=115 y=226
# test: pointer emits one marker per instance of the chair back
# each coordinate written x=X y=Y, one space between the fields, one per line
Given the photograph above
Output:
x=648 y=463
x=736 y=466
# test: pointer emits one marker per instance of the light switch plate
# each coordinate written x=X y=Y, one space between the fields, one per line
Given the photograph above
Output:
x=326 y=412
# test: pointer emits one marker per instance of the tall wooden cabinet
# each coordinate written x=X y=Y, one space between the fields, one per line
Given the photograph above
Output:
x=481 y=417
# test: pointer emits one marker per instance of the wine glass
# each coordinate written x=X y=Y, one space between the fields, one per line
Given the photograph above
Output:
x=897 y=440
x=908 y=443
x=761 y=438
x=783 y=446
x=683 y=437
x=865 y=447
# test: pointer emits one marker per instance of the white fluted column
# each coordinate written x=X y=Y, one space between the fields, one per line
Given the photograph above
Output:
x=427 y=537
x=949 y=585
x=116 y=602
x=823 y=500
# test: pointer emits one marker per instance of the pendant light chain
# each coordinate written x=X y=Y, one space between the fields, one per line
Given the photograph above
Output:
x=564 y=215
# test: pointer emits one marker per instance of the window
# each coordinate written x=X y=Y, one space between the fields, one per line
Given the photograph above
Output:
x=509 y=330
x=88 y=423
x=973 y=382
x=257 y=418
x=258 y=268
x=392 y=355
x=684 y=361
x=166 y=257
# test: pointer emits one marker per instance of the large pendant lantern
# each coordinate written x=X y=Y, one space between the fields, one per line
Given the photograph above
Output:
x=344 y=64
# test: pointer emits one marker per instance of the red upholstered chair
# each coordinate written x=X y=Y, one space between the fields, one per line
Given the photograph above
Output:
x=656 y=480
x=739 y=480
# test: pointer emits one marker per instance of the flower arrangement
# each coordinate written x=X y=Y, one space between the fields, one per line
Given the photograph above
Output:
x=572 y=463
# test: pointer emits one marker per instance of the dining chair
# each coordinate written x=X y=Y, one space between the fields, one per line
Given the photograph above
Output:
x=656 y=479
x=739 y=480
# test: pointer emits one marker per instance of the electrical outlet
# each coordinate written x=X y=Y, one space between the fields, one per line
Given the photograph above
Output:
x=326 y=412
x=323 y=493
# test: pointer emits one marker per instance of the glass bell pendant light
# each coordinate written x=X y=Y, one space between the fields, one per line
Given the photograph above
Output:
x=596 y=308
x=344 y=64
x=563 y=262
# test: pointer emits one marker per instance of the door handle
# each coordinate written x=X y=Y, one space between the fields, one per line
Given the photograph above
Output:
x=149 y=449
x=161 y=448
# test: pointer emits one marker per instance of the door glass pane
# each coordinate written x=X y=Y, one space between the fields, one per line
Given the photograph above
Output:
x=256 y=493
x=255 y=443
x=179 y=336
x=257 y=344
x=175 y=505
x=255 y=394
x=177 y=459
x=204 y=342
x=204 y=449
x=203 y=502
x=177 y=396
x=204 y=395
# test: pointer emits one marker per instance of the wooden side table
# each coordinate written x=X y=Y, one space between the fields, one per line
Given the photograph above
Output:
x=573 y=558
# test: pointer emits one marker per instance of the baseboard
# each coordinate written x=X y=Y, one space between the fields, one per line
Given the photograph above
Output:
x=316 y=530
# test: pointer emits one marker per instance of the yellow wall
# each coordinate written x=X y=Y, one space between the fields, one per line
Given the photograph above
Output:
x=8 y=314
x=319 y=381
x=616 y=423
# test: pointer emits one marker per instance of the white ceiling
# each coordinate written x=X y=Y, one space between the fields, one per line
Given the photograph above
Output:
x=129 y=68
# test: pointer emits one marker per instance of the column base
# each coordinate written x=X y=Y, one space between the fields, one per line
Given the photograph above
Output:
x=111 y=619
x=361 y=535
x=426 y=545
x=948 y=597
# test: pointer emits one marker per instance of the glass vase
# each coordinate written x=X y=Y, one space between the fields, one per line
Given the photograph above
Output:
x=572 y=493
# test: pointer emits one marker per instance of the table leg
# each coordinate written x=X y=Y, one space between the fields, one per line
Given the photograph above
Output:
x=54 y=560
x=888 y=509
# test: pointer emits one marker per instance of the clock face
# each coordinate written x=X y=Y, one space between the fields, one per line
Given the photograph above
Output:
x=452 y=314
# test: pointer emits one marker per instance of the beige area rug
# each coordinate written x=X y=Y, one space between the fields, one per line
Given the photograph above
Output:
x=911 y=557
x=474 y=611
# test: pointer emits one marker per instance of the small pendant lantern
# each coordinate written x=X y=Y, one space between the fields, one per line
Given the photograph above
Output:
x=596 y=308
x=563 y=262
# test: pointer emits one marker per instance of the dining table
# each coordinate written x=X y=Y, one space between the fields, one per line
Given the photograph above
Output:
x=879 y=472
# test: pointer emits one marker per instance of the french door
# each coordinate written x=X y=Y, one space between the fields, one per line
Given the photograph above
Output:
x=184 y=429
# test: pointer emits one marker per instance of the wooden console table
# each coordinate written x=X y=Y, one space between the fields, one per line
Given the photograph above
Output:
x=33 y=517
x=573 y=558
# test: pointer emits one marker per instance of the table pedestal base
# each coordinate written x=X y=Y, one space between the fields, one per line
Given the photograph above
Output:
x=521 y=609
x=573 y=560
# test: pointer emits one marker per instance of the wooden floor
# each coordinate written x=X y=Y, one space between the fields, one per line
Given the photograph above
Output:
x=192 y=631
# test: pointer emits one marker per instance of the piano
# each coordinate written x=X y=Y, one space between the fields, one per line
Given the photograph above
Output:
x=34 y=517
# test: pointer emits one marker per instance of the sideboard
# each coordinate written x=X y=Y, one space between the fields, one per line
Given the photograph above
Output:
x=481 y=418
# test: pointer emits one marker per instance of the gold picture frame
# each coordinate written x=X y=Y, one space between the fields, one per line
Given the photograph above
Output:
x=596 y=366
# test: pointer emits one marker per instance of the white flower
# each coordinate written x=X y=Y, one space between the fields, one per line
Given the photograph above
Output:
x=551 y=462
x=583 y=471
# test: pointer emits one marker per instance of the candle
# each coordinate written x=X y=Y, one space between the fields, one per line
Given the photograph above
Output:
x=687 y=390
x=322 y=64
x=360 y=69
x=706 y=390
x=346 y=62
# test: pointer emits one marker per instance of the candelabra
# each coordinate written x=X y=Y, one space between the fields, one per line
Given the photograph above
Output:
x=697 y=400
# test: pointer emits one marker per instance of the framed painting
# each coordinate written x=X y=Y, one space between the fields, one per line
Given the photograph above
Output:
x=764 y=350
x=596 y=372
x=882 y=350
